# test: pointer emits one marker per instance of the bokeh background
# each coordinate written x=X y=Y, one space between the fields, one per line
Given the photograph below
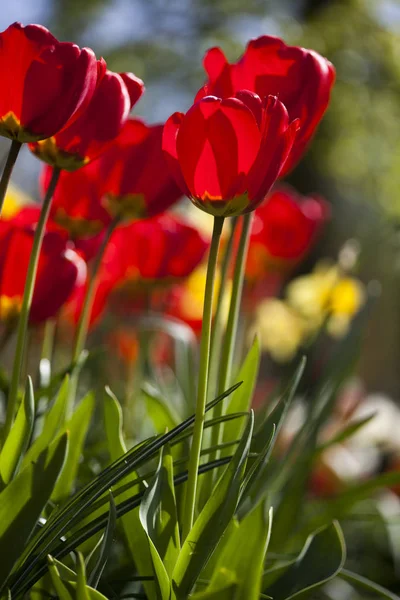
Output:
x=355 y=158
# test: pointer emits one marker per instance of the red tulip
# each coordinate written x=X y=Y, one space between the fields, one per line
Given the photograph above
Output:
x=301 y=79
x=284 y=229
x=44 y=82
x=226 y=154
x=84 y=139
x=131 y=179
x=76 y=205
x=60 y=269
x=145 y=256
x=136 y=179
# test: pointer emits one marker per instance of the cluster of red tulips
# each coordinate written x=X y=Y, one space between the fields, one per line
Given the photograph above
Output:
x=110 y=178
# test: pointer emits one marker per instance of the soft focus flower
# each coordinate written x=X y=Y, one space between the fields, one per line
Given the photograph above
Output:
x=143 y=258
x=76 y=205
x=60 y=269
x=15 y=200
x=225 y=154
x=45 y=83
x=283 y=231
x=327 y=294
x=136 y=181
x=300 y=78
x=85 y=138
x=280 y=328
x=131 y=180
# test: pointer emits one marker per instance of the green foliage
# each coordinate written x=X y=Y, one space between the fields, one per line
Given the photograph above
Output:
x=117 y=532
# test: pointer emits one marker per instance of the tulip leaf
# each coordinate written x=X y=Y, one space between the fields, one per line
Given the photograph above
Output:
x=161 y=415
x=151 y=518
x=77 y=428
x=158 y=516
x=135 y=536
x=363 y=583
x=59 y=586
x=23 y=500
x=52 y=424
x=18 y=439
x=242 y=558
x=321 y=559
x=213 y=520
x=241 y=398
x=105 y=546
x=226 y=591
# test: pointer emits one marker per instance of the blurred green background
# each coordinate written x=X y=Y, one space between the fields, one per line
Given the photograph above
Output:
x=354 y=160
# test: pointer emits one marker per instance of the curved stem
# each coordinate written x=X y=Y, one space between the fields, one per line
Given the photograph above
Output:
x=8 y=169
x=226 y=360
x=194 y=460
x=27 y=302
x=84 y=319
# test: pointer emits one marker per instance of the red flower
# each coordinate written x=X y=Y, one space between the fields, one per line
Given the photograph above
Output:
x=44 y=82
x=284 y=229
x=302 y=80
x=226 y=154
x=136 y=179
x=60 y=269
x=84 y=139
x=145 y=256
x=131 y=179
x=76 y=205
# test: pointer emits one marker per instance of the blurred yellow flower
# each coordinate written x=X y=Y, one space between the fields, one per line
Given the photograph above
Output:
x=192 y=298
x=324 y=296
x=281 y=329
x=14 y=201
x=311 y=294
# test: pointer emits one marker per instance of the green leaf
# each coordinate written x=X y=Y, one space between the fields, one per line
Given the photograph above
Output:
x=148 y=511
x=52 y=424
x=23 y=500
x=226 y=591
x=158 y=513
x=18 y=439
x=61 y=590
x=366 y=584
x=77 y=427
x=157 y=409
x=321 y=559
x=159 y=520
x=69 y=516
x=135 y=536
x=82 y=592
x=242 y=558
x=242 y=397
x=213 y=519
x=105 y=547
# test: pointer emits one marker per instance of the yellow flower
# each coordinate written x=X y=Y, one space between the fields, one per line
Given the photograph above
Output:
x=281 y=329
x=14 y=201
x=192 y=300
x=345 y=302
x=311 y=294
x=326 y=294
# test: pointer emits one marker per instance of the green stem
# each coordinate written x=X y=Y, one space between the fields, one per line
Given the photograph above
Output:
x=194 y=460
x=218 y=323
x=83 y=323
x=8 y=169
x=27 y=302
x=226 y=360
x=49 y=333
x=84 y=319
